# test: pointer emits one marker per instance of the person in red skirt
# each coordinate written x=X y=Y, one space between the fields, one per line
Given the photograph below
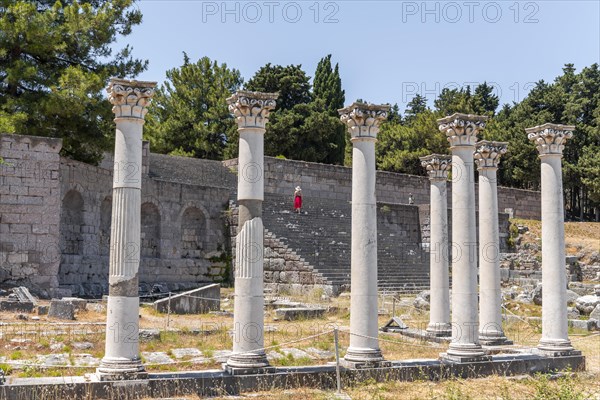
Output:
x=298 y=200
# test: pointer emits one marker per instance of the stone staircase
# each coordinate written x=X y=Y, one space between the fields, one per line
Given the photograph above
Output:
x=321 y=239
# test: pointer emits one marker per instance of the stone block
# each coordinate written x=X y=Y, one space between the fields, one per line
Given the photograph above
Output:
x=16 y=306
x=595 y=314
x=587 y=304
x=78 y=304
x=197 y=301
x=292 y=314
x=585 y=325
x=60 y=309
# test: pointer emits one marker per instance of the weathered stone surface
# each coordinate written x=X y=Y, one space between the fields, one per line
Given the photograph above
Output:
x=156 y=357
x=52 y=360
x=149 y=334
x=422 y=300
x=61 y=310
x=595 y=314
x=536 y=296
x=197 y=301
x=24 y=296
x=298 y=313
x=586 y=325
x=221 y=355
x=96 y=307
x=78 y=304
x=186 y=352
x=16 y=306
x=573 y=313
x=586 y=304
x=295 y=353
x=320 y=354
x=82 y=345
x=571 y=297
x=85 y=360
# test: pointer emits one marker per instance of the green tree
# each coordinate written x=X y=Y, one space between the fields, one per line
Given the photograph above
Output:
x=394 y=114
x=189 y=114
x=573 y=98
x=484 y=101
x=400 y=146
x=451 y=101
x=306 y=132
x=55 y=60
x=303 y=126
x=327 y=85
x=414 y=107
x=290 y=81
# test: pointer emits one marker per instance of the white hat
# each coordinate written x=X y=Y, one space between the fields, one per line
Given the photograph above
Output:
x=298 y=188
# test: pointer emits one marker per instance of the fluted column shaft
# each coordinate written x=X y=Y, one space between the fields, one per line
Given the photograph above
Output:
x=487 y=157
x=461 y=131
x=550 y=140
x=362 y=121
x=439 y=314
x=251 y=110
x=554 y=280
x=122 y=359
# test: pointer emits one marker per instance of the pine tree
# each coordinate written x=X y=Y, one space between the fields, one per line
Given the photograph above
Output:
x=55 y=61
x=189 y=114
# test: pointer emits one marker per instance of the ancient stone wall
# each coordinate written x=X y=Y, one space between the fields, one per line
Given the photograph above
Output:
x=335 y=182
x=55 y=219
x=182 y=231
x=55 y=214
x=29 y=212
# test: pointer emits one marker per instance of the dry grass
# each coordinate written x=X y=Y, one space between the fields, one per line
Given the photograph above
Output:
x=393 y=346
x=579 y=236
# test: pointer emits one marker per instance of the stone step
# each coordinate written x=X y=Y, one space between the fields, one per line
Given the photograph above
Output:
x=320 y=239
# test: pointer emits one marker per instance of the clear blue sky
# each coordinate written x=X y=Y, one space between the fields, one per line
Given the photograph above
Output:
x=387 y=50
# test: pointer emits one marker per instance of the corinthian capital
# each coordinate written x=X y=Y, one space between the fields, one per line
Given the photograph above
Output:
x=363 y=119
x=550 y=138
x=487 y=154
x=251 y=109
x=437 y=166
x=462 y=129
x=130 y=98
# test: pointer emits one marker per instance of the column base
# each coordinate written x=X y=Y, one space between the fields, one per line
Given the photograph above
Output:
x=494 y=339
x=364 y=358
x=439 y=330
x=557 y=348
x=121 y=369
x=248 y=364
x=464 y=352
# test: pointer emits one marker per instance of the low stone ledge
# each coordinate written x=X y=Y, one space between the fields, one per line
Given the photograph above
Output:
x=218 y=382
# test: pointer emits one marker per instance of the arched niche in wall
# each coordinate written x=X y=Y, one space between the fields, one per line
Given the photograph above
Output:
x=150 y=232
x=193 y=233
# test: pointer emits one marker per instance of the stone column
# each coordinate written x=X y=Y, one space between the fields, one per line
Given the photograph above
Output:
x=363 y=121
x=437 y=166
x=461 y=131
x=122 y=358
x=251 y=111
x=487 y=156
x=550 y=141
